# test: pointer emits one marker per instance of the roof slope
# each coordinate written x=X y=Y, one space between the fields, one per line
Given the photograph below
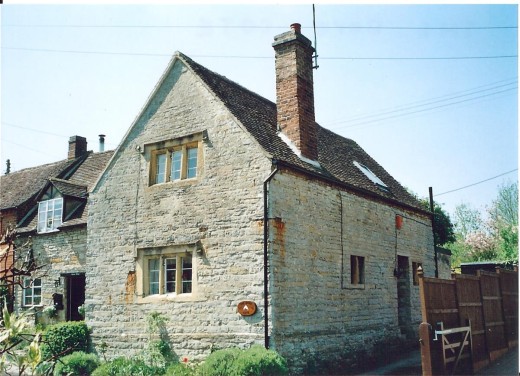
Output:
x=336 y=154
x=18 y=187
x=75 y=184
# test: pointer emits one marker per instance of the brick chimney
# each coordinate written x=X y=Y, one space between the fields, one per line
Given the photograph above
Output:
x=77 y=146
x=295 y=91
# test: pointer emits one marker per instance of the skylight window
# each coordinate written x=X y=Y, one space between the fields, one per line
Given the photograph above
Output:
x=373 y=177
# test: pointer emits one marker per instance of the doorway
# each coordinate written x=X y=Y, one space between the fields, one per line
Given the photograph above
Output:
x=75 y=295
x=404 y=309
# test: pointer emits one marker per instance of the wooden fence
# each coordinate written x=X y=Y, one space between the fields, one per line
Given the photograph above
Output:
x=488 y=301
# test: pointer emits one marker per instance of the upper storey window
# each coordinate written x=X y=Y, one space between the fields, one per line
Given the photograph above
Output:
x=50 y=211
x=175 y=160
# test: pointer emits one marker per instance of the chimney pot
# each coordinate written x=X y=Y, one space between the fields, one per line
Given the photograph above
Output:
x=101 y=143
x=296 y=27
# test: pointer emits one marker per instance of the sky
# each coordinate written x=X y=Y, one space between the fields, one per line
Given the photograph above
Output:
x=429 y=91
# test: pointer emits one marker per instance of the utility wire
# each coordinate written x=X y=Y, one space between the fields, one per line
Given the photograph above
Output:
x=267 y=27
x=259 y=57
x=426 y=109
x=406 y=108
x=479 y=182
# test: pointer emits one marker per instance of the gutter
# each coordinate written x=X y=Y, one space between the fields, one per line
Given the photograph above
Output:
x=266 y=254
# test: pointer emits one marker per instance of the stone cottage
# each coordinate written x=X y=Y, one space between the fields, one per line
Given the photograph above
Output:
x=244 y=221
x=47 y=207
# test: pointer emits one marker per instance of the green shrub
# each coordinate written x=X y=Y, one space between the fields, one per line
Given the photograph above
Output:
x=77 y=363
x=64 y=338
x=179 y=369
x=219 y=363
x=126 y=367
x=257 y=361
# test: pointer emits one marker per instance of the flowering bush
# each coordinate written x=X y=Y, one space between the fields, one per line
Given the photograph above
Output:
x=50 y=311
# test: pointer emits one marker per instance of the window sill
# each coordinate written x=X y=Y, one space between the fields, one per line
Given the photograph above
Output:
x=356 y=287
x=165 y=298
x=47 y=232
x=176 y=183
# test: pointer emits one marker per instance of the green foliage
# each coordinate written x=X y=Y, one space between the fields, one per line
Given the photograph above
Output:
x=180 y=369
x=77 y=363
x=219 y=363
x=255 y=361
x=158 y=352
x=64 y=338
x=443 y=230
x=493 y=240
x=6 y=297
x=125 y=367
x=18 y=344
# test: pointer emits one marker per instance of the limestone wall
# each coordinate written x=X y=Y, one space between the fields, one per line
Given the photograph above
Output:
x=220 y=212
x=317 y=312
x=57 y=253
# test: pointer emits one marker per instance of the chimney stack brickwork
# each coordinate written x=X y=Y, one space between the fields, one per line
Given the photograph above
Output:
x=77 y=146
x=295 y=91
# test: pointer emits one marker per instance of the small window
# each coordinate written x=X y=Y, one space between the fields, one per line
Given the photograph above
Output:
x=174 y=163
x=169 y=273
x=32 y=292
x=373 y=177
x=415 y=276
x=357 y=270
x=50 y=214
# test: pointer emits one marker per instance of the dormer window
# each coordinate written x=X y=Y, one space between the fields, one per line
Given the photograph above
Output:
x=50 y=214
x=373 y=177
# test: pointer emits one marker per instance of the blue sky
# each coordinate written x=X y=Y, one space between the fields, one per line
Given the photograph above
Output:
x=386 y=78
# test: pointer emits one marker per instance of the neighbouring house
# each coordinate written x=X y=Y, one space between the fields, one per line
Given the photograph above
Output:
x=46 y=206
x=243 y=221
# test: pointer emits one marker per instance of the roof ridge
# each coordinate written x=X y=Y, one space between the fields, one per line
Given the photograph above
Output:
x=40 y=166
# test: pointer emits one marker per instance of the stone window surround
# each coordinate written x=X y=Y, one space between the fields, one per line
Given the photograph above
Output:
x=175 y=251
x=154 y=149
x=29 y=285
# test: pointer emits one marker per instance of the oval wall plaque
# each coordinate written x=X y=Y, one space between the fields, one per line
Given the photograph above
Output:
x=246 y=308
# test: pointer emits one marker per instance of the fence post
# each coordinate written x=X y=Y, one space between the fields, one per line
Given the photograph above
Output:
x=425 y=341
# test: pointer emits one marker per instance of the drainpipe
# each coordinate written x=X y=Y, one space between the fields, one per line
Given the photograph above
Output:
x=266 y=255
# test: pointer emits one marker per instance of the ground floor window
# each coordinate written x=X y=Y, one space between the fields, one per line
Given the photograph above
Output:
x=169 y=274
x=357 y=270
x=32 y=292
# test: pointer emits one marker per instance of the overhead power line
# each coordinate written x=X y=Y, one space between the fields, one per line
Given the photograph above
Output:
x=427 y=106
x=259 y=57
x=479 y=182
x=506 y=27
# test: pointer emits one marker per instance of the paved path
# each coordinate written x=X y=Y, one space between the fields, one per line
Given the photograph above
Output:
x=411 y=365
x=505 y=366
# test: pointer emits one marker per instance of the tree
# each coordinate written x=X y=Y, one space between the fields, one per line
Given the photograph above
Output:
x=467 y=220
x=443 y=230
x=493 y=240
x=503 y=215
